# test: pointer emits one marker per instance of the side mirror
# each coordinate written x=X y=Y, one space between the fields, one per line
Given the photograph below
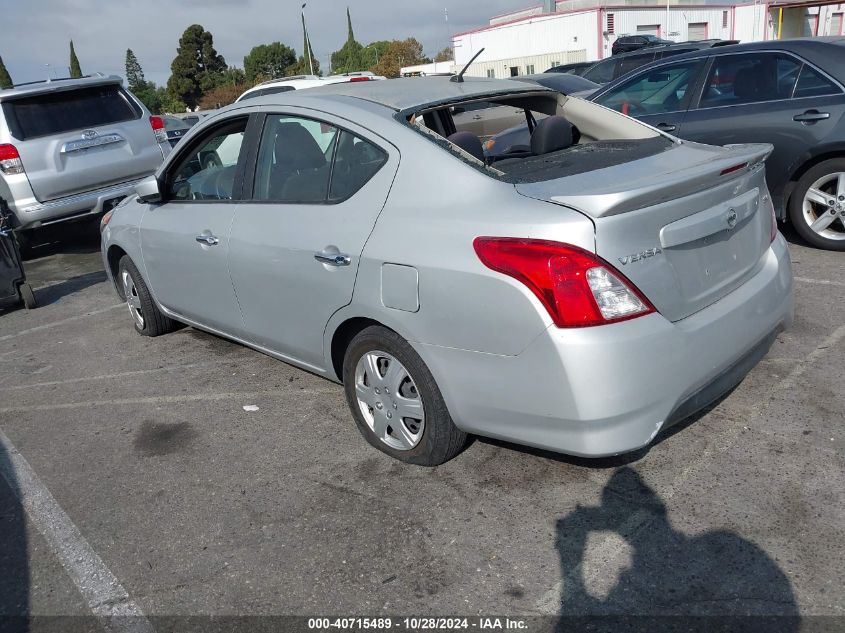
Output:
x=148 y=190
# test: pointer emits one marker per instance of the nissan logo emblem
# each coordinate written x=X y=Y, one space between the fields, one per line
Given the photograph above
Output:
x=731 y=218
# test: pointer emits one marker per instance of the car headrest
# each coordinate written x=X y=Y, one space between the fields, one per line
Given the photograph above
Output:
x=296 y=149
x=551 y=134
x=746 y=84
x=468 y=142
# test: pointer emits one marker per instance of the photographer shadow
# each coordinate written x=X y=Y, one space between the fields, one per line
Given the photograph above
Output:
x=14 y=564
x=715 y=581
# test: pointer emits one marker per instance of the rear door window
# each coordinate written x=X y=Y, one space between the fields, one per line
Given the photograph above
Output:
x=812 y=83
x=749 y=78
x=68 y=110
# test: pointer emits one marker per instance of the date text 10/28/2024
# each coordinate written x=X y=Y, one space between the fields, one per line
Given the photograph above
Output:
x=417 y=624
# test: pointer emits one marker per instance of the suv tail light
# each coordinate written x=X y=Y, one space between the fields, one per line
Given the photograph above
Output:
x=576 y=287
x=10 y=160
x=157 y=123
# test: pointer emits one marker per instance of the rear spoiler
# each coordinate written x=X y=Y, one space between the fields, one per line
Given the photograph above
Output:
x=33 y=89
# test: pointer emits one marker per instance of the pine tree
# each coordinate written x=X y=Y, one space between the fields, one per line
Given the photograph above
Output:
x=307 y=53
x=75 y=69
x=134 y=73
x=197 y=68
x=5 y=79
x=349 y=58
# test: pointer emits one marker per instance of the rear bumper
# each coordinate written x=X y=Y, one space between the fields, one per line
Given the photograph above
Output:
x=30 y=213
x=608 y=390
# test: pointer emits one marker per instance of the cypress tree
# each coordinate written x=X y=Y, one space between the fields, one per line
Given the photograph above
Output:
x=134 y=73
x=75 y=69
x=5 y=79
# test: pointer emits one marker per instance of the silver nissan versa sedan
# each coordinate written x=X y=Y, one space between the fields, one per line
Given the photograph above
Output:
x=577 y=296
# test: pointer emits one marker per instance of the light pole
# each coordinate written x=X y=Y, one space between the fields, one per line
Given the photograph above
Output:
x=307 y=40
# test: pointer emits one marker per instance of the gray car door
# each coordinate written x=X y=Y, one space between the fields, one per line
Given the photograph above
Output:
x=765 y=97
x=658 y=96
x=185 y=239
x=318 y=186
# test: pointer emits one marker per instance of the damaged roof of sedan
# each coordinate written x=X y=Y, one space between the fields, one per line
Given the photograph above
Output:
x=416 y=92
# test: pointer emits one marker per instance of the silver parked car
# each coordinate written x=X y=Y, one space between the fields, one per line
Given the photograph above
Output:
x=74 y=147
x=579 y=298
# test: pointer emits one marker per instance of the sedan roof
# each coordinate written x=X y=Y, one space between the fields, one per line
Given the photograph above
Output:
x=823 y=51
x=417 y=92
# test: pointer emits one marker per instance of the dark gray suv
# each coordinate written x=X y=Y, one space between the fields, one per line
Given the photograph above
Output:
x=790 y=93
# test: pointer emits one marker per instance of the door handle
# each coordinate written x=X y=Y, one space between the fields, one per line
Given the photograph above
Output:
x=333 y=259
x=477 y=117
x=666 y=127
x=811 y=116
x=210 y=240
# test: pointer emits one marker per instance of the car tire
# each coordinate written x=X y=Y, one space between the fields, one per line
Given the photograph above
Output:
x=27 y=296
x=802 y=213
x=147 y=318
x=376 y=349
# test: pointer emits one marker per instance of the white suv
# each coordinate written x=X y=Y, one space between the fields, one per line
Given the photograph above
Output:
x=302 y=82
x=73 y=147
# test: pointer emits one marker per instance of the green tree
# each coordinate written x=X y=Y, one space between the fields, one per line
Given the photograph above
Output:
x=75 y=68
x=268 y=61
x=5 y=79
x=399 y=53
x=304 y=64
x=169 y=103
x=373 y=52
x=446 y=55
x=134 y=73
x=197 y=67
x=350 y=57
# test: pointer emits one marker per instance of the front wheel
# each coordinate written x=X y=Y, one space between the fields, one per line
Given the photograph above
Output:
x=148 y=319
x=817 y=206
x=27 y=296
x=395 y=400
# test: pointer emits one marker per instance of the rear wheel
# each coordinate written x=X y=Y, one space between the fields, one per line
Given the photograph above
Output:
x=395 y=400
x=148 y=319
x=817 y=206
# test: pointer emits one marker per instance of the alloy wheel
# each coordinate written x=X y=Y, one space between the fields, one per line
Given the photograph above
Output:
x=824 y=206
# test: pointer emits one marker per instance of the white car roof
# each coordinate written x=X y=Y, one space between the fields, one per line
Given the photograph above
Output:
x=301 y=82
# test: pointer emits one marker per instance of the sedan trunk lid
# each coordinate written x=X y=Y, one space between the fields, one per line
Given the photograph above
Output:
x=686 y=226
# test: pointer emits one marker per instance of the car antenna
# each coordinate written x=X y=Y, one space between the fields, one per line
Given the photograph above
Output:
x=459 y=78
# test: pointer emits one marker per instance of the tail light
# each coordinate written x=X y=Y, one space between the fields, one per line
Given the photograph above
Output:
x=10 y=160
x=577 y=288
x=157 y=123
x=359 y=79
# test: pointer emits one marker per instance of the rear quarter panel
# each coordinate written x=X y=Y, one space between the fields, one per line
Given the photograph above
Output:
x=437 y=206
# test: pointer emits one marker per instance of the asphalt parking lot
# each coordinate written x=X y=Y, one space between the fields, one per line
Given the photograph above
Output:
x=147 y=488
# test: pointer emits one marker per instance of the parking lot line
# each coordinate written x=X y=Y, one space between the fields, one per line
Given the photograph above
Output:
x=100 y=588
x=121 y=374
x=611 y=548
x=157 y=400
x=48 y=326
x=820 y=282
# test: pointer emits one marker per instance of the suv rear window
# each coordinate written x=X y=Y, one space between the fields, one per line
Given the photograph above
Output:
x=67 y=110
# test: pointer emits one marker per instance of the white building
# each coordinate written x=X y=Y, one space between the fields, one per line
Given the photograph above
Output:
x=567 y=31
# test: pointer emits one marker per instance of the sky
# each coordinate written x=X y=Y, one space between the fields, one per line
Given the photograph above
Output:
x=35 y=34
